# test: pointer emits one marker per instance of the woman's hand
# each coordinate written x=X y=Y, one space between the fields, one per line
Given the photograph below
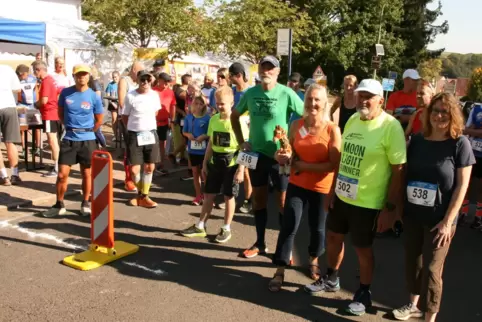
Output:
x=444 y=233
x=282 y=157
x=239 y=176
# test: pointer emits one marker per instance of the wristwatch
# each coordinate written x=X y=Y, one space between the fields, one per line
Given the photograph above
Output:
x=390 y=206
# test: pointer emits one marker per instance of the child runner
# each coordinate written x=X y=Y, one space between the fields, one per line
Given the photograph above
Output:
x=195 y=130
x=220 y=168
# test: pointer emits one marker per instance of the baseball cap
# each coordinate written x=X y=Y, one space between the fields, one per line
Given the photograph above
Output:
x=237 y=68
x=371 y=86
x=81 y=68
x=295 y=77
x=309 y=82
x=270 y=59
x=159 y=62
x=142 y=73
x=411 y=73
x=165 y=77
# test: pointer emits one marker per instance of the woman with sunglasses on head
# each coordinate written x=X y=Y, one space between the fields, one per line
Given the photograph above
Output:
x=222 y=78
x=439 y=164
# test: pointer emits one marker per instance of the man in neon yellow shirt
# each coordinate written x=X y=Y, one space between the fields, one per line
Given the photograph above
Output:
x=368 y=190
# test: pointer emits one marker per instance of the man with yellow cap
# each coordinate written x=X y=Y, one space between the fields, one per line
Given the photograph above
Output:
x=81 y=113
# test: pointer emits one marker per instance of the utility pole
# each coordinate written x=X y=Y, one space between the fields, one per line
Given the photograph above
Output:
x=379 y=36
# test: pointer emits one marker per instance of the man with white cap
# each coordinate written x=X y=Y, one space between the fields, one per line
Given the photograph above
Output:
x=81 y=112
x=367 y=190
x=402 y=104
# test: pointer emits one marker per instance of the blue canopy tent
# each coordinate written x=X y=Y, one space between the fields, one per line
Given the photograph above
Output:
x=23 y=32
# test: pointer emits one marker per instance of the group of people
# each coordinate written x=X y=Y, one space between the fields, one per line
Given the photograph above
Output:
x=357 y=176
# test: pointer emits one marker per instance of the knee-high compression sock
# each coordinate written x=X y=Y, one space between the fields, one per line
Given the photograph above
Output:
x=261 y=219
x=138 y=182
x=146 y=183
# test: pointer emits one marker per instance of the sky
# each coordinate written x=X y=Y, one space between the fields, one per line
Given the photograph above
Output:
x=465 y=28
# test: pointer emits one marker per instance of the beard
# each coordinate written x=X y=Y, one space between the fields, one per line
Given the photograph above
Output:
x=364 y=112
x=266 y=80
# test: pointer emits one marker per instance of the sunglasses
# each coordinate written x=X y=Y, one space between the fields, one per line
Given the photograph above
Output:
x=437 y=111
x=145 y=80
x=222 y=76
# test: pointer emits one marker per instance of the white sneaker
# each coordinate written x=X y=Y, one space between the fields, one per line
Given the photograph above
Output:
x=407 y=312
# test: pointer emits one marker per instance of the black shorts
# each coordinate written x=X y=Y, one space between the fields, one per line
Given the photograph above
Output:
x=267 y=168
x=196 y=159
x=73 y=152
x=51 y=126
x=477 y=169
x=162 y=132
x=138 y=155
x=359 y=222
x=221 y=177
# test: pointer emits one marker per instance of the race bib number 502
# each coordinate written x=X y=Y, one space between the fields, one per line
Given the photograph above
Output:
x=346 y=187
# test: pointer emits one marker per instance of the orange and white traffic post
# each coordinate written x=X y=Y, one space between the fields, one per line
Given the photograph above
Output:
x=103 y=249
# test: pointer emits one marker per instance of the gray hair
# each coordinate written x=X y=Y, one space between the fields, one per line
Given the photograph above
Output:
x=324 y=91
x=39 y=64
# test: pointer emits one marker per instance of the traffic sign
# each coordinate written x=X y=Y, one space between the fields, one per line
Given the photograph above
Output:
x=379 y=50
x=392 y=75
x=319 y=76
x=283 y=42
x=388 y=84
x=376 y=62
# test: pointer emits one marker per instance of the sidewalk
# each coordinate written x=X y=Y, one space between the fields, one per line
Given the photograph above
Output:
x=36 y=190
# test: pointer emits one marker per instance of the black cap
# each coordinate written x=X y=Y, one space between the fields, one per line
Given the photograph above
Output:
x=296 y=78
x=142 y=73
x=237 y=68
x=165 y=77
x=159 y=63
x=270 y=59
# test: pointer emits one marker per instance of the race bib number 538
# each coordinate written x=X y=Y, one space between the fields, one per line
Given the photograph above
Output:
x=346 y=187
x=422 y=193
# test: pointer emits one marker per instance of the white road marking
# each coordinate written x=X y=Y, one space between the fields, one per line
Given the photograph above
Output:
x=33 y=235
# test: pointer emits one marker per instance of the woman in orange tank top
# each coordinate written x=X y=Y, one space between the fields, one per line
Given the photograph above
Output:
x=316 y=143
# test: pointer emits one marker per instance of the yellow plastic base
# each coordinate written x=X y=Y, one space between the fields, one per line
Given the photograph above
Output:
x=97 y=256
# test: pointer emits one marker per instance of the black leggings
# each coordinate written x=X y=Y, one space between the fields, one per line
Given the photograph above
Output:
x=296 y=199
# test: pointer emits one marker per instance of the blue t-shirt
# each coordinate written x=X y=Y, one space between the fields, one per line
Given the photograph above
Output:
x=197 y=126
x=111 y=89
x=79 y=109
x=475 y=119
x=238 y=95
x=29 y=86
x=295 y=116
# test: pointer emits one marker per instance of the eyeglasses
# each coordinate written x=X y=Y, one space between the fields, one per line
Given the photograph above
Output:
x=145 y=80
x=437 y=111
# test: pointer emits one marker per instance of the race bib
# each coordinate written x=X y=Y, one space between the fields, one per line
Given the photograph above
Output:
x=303 y=132
x=195 y=145
x=248 y=159
x=421 y=193
x=145 y=138
x=182 y=122
x=28 y=90
x=476 y=144
x=346 y=187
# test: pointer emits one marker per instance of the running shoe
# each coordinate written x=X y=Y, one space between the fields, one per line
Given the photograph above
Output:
x=197 y=201
x=15 y=179
x=51 y=174
x=193 y=231
x=56 y=210
x=322 y=285
x=223 y=236
x=407 y=312
x=254 y=251
x=246 y=207
x=85 y=209
x=130 y=186
x=361 y=302
x=5 y=181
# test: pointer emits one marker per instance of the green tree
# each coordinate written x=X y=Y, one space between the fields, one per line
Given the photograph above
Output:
x=344 y=35
x=475 y=86
x=248 y=28
x=460 y=65
x=418 y=29
x=176 y=24
x=430 y=69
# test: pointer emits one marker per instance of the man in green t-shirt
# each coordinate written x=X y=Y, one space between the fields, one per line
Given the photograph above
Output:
x=269 y=104
x=368 y=190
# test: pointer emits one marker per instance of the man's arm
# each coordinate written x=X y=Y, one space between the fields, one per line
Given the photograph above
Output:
x=98 y=121
x=237 y=126
x=395 y=189
x=122 y=92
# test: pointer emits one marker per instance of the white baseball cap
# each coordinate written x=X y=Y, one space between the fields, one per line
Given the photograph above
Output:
x=411 y=73
x=309 y=82
x=371 y=86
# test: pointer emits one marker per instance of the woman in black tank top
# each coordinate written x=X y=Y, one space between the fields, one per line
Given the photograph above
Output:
x=346 y=110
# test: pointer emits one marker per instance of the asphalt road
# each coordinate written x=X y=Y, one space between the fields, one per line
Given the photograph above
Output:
x=173 y=278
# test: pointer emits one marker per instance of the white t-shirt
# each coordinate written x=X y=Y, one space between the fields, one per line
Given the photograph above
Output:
x=141 y=109
x=62 y=81
x=8 y=84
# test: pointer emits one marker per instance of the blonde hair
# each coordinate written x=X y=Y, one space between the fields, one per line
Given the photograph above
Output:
x=201 y=99
x=94 y=72
x=456 y=126
x=324 y=94
x=224 y=92
x=225 y=72
x=351 y=77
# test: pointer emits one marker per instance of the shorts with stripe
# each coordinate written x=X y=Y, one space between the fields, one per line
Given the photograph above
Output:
x=51 y=126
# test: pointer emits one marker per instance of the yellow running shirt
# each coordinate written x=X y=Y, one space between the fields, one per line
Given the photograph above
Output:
x=369 y=148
